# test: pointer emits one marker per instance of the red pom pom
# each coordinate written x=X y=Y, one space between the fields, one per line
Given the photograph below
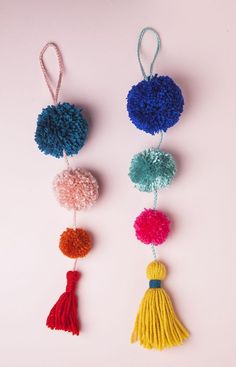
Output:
x=152 y=226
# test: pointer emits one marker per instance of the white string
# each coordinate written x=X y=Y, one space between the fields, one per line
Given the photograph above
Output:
x=75 y=264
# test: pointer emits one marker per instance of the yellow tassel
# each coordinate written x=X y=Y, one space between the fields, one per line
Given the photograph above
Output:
x=156 y=324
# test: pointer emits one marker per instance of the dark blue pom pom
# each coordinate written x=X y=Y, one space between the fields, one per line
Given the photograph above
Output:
x=61 y=128
x=155 y=104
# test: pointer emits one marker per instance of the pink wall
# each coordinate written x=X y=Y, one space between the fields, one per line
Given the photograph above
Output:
x=98 y=41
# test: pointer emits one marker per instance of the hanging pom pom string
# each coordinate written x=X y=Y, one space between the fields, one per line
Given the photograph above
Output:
x=155 y=55
x=154 y=105
x=61 y=132
x=54 y=94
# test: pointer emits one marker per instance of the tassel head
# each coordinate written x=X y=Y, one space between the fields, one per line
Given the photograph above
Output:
x=72 y=279
x=156 y=270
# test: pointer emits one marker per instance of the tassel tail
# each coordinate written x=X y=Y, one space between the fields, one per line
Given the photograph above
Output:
x=156 y=325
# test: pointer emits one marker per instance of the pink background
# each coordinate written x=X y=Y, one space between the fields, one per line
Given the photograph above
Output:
x=98 y=40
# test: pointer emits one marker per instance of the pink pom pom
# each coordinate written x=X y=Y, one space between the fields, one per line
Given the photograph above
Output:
x=152 y=226
x=76 y=189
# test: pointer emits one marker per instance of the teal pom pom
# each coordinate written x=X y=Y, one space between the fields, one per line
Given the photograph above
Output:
x=152 y=169
x=61 y=128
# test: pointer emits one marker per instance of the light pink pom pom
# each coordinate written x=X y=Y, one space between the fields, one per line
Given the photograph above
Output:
x=76 y=189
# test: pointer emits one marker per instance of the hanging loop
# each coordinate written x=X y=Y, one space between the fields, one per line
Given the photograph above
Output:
x=54 y=93
x=144 y=30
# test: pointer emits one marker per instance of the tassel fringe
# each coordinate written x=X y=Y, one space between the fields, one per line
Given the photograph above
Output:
x=63 y=315
x=157 y=325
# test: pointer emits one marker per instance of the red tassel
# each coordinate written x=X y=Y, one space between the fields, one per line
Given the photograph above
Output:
x=64 y=314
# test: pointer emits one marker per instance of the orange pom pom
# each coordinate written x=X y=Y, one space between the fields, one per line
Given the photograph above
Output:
x=75 y=243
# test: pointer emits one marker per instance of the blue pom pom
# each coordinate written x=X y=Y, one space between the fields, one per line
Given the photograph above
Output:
x=155 y=104
x=152 y=169
x=61 y=128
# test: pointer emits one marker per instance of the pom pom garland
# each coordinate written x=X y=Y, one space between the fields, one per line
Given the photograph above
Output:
x=155 y=104
x=76 y=189
x=152 y=227
x=75 y=243
x=62 y=131
x=152 y=169
x=61 y=128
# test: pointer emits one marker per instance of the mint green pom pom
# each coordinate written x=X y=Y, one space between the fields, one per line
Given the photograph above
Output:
x=152 y=169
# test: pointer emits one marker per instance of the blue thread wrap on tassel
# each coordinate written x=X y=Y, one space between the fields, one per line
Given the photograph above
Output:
x=154 y=283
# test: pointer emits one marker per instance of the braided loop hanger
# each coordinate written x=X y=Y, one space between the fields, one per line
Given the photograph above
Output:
x=54 y=92
x=158 y=44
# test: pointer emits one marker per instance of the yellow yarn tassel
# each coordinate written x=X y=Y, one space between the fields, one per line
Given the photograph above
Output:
x=156 y=324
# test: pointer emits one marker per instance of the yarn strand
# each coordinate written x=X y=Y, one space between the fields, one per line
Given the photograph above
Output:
x=47 y=78
x=144 y=30
x=66 y=160
x=155 y=200
x=74 y=217
x=75 y=264
x=154 y=254
x=75 y=225
x=161 y=139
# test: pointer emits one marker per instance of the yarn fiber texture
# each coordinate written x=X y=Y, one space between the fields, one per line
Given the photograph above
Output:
x=156 y=270
x=75 y=243
x=64 y=314
x=155 y=104
x=61 y=128
x=152 y=169
x=152 y=227
x=76 y=189
x=157 y=326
